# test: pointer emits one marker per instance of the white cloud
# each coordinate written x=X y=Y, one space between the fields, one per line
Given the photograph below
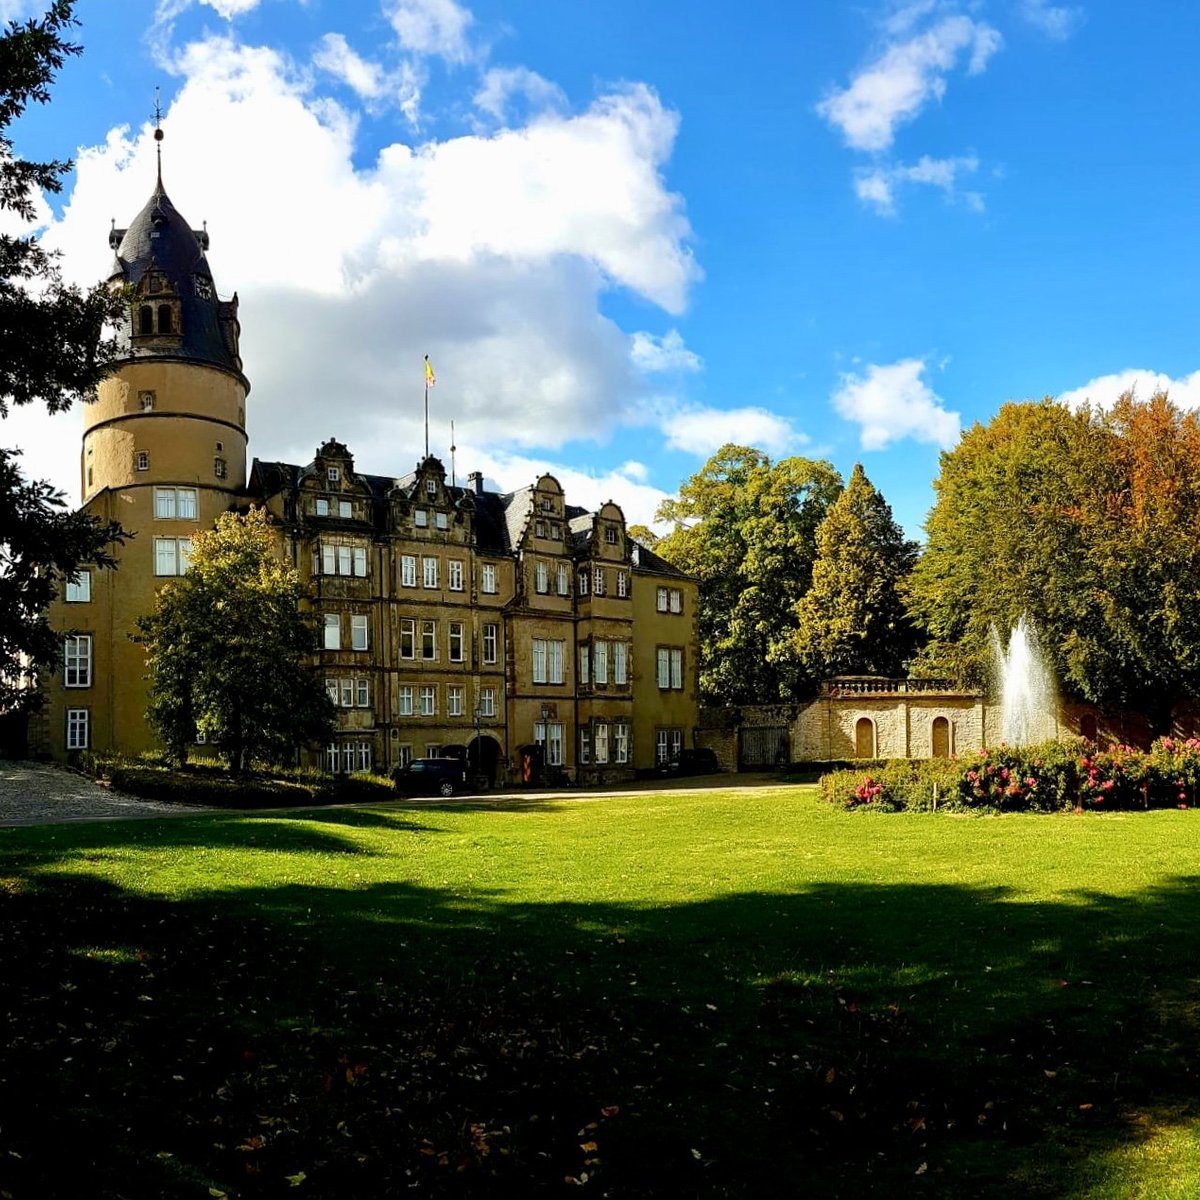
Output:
x=701 y=430
x=905 y=78
x=366 y=79
x=168 y=10
x=1057 y=21
x=501 y=84
x=892 y=402
x=877 y=187
x=490 y=254
x=667 y=353
x=1104 y=389
x=436 y=27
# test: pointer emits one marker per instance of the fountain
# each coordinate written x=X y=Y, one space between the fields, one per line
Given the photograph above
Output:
x=1028 y=708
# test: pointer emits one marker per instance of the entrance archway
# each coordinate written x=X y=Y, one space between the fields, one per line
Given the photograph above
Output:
x=483 y=753
x=864 y=738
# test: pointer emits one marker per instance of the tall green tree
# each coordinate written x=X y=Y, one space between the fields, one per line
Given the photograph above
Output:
x=853 y=619
x=230 y=650
x=745 y=528
x=53 y=350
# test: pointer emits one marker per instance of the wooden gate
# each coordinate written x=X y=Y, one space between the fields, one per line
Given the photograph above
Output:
x=763 y=746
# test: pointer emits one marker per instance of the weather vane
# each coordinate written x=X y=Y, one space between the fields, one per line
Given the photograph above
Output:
x=158 y=133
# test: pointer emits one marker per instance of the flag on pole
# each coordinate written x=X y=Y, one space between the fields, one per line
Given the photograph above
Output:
x=430 y=379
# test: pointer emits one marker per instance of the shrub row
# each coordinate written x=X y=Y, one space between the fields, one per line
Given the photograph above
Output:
x=198 y=783
x=1053 y=777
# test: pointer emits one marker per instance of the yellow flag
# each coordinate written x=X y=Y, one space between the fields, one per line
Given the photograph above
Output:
x=430 y=380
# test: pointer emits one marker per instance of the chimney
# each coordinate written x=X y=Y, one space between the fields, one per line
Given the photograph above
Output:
x=475 y=482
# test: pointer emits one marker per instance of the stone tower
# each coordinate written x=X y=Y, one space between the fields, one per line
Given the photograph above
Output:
x=164 y=453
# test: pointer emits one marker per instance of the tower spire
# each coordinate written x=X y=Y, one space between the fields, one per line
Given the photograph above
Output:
x=158 y=133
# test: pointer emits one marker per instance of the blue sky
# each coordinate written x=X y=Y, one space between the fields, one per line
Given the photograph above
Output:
x=626 y=232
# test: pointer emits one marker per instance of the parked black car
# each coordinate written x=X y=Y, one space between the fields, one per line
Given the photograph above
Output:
x=432 y=777
x=691 y=762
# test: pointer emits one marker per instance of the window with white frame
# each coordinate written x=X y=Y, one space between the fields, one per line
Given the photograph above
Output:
x=333 y=631
x=581 y=581
x=428 y=698
x=77 y=660
x=620 y=731
x=564 y=580
x=420 y=518
x=335 y=559
x=172 y=555
x=662 y=667
x=141 y=460
x=620 y=663
x=539 y=529
x=454 y=575
x=77 y=728
x=585 y=663
x=347 y=693
x=489 y=578
x=408 y=637
x=362 y=693
x=600 y=663
x=333 y=474
x=431 y=488
x=622 y=584
x=433 y=750
x=442 y=520
x=676 y=600
x=660 y=599
x=555 y=531
x=430 y=569
x=454 y=700
x=171 y=504
x=408 y=570
x=539 y=660
x=429 y=640
x=343 y=560
x=457 y=641
x=404 y=754
x=331 y=688
x=322 y=506
x=677 y=669
x=667 y=745
x=541 y=578
x=554 y=743
x=345 y=509
x=359 y=637
x=79 y=589
x=491 y=643
x=404 y=700
x=598 y=581
x=585 y=745
x=600 y=739
x=547 y=661
x=610 y=535
x=487 y=701
x=332 y=758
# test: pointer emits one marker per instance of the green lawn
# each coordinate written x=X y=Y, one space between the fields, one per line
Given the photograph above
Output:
x=685 y=995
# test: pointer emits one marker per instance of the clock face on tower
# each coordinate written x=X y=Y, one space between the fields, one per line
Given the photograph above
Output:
x=203 y=287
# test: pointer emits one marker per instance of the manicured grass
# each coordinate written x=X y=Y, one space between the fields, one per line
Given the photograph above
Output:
x=709 y=994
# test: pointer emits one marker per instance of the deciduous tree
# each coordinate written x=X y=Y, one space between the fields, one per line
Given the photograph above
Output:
x=230 y=650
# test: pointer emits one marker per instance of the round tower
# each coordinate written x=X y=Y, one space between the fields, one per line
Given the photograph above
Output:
x=174 y=411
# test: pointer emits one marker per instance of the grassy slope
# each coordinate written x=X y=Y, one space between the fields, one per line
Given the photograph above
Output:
x=684 y=995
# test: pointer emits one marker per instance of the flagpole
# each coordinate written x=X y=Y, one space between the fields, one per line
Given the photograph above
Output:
x=426 y=415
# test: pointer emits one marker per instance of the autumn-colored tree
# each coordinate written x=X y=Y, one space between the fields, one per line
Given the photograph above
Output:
x=852 y=620
x=231 y=651
x=745 y=528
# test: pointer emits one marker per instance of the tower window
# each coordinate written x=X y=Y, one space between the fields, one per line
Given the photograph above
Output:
x=220 y=447
x=145 y=319
x=332 y=474
x=141 y=460
x=146 y=401
x=219 y=468
x=164 y=318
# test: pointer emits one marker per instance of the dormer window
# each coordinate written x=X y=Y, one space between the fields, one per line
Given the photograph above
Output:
x=145 y=320
x=431 y=488
x=547 y=504
x=164 y=319
x=332 y=474
x=610 y=535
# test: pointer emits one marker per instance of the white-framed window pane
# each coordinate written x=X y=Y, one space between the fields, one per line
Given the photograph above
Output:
x=433 y=750
x=676 y=742
x=362 y=693
x=454 y=572
x=585 y=745
x=564 y=580
x=454 y=701
x=585 y=659
x=555 y=665
x=358 y=631
x=420 y=518
x=456 y=641
x=429 y=640
x=347 y=757
x=620 y=656
x=408 y=570
x=542 y=578
x=333 y=631
x=333 y=474
x=345 y=509
x=554 y=744
x=487 y=702
x=489 y=578
x=164 y=504
x=408 y=637
x=431 y=572
x=676 y=600
x=581 y=581
x=660 y=599
x=491 y=642
x=322 y=506
x=347 y=693
x=79 y=589
x=343 y=556
x=601 y=739
x=677 y=669
x=622 y=584
x=328 y=560
x=663 y=667
x=443 y=521
x=600 y=663
x=184 y=550
x=539 y=661
x=621 y=742
x=364 y=756
x=77 y=728
x=404 y=755
x=331 y=758
x=405 y=700
x=429 y=700
x=598 y=581
x=662 y=747
x=331 y=687
x=166 y=560
x=77 y=661
x=185 y=503
x=360 y=561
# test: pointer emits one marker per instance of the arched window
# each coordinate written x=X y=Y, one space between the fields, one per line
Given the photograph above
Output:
x=164 y=318
x=145 y=319
x=864 y=738
x=940 y=736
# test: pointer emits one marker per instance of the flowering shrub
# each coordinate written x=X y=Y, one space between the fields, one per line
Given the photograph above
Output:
x=1112 y=779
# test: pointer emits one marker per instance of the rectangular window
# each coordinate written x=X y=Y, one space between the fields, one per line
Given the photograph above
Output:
x=454 y=575
x=141 y=460
x=333 y=631
x=333 y=474
x=662 y=673
x=676 y=600
x=620 y=741
x=429 y=640
x=662 y=750
x=77 y=728
x=79 y=589
x=347 y=757
x=539 y=660
x=172 y=555
x=581 y=580
x=539 y=529
x=362 y=693
x=404 y=754
x=363 y=754
x=454 y=701
x=322 y=506
x=601 y=740
x=620 y=657
x=358 y=631
x=429 y=700
x=331 y=758
x=489 y=578
x=347 y=693
x=541 y=576
x=610 y=535
x=420 y=518
x=430 y=567
x=174 y=504
x=433 y=750
x=360 y=561
x=408 y=637
x=77 y=661
x=622 y=584
x=585 y=656
x=554 y=663
x=457 y=641
x=331 y=688
x=487 y=702
x=564 y=580
x=600 y=663
x=585 y=745
x=491 y=640
x=345 y=509
x=442 y=521
x=555 y=531
x=343 y=560
x=677 y=669
x=554 y=744
x=408 y=570
x=328 y=559
x=404 y=697
x=660 y=599
x=598 y=582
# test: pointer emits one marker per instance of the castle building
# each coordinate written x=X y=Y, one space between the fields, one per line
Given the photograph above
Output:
x=534 y=637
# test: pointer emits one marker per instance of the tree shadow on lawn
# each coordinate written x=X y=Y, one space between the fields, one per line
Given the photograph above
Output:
x=845 y=1040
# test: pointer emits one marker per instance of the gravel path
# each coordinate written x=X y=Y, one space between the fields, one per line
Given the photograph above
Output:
x=44 y=794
